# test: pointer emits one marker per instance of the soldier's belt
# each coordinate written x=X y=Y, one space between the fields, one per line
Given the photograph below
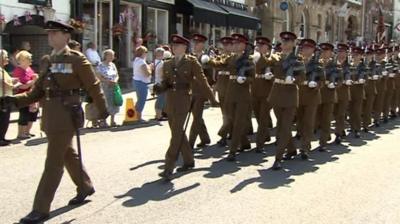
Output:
x=358 y=83
x=180 y=86
x=233 y=77
x=62 y=93
x=224 y=73
x=259 y=76
x=283 y=82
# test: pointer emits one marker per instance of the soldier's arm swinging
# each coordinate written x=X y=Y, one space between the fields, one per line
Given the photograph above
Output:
x=90 y=82
x=202 y=80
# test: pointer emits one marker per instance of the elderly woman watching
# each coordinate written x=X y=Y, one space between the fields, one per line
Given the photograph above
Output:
x=108 y=75
x=27 y=77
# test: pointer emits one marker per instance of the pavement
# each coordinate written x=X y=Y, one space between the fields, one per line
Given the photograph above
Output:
x=357 y=182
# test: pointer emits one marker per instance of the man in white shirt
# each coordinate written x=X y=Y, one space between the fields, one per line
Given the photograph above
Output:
x=92 y=54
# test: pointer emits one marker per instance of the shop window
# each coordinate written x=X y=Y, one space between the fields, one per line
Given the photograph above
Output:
x=157 y=28
x=179 y=24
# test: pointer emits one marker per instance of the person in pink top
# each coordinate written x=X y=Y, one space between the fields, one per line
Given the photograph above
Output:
x=27 y=77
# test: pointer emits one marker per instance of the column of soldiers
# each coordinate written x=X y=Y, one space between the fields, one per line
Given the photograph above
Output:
x=308 y=85
x=304 y=83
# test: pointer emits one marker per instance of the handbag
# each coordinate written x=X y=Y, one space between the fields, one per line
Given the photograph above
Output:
x=118 y=99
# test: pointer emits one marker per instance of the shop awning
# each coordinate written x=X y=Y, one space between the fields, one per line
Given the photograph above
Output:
x=204 y=12
x=241 y=18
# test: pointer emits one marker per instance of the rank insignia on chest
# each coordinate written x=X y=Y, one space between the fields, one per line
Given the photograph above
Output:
x=63 y=68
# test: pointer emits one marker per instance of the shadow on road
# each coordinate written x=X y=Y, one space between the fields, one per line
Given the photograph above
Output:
x=83 y=131
x=36 y=141
x=61 y=211
x=158 y=190
x=270 y=179
x=146 y=164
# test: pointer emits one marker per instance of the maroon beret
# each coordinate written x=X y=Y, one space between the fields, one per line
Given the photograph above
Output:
x=288 y=36
x=237 y=37
x=199 y=38
x=308 y=43
x=177 y=39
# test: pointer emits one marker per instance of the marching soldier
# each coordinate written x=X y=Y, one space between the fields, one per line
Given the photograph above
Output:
x=381 y=86
x=370 y=88
x=221 y=87
x=260 y=90
x=238 y=95
x=357 y=90
x=238 y=98
x=396 y=96
x=343 y=92
x=328 y=94
x=58 y=88
x=288 y=70
x=198 y=127
x=179 y=73
x=390 y=85
x=309 y=96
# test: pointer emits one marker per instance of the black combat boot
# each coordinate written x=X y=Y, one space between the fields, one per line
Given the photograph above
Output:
x=34 y=217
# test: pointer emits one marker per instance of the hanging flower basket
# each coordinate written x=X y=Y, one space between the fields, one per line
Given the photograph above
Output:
x=118 y=30
x=78 y=25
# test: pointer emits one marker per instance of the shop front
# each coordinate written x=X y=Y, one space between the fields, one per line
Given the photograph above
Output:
x=24 y=20
x=215 y=19
x=136 y=23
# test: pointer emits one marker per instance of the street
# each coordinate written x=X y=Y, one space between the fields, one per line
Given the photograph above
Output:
x=357 y=182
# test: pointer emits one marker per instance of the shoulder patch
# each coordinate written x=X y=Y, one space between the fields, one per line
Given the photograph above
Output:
x=191 y=57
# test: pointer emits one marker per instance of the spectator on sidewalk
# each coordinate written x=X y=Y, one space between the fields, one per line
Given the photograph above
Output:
x=6 y=89
x=27 y=77
x=158 y=73
x=108 y=75
x=141 y=78
x=92 y=54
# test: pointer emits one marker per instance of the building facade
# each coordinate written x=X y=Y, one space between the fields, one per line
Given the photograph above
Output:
x=321 y=20
x=23 y=20
x=374 y=12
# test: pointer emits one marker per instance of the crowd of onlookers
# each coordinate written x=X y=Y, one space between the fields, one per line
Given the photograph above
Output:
x=21 y=80
x=18 y=76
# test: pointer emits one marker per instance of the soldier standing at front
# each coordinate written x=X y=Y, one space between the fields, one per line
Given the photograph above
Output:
x=58 y=88
x=260 y=89
x=343 y=92
x=328 y=94
x=179 y=73
x=284 y=97
x=357 y=90
x=198 y=127
x=309 y=96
